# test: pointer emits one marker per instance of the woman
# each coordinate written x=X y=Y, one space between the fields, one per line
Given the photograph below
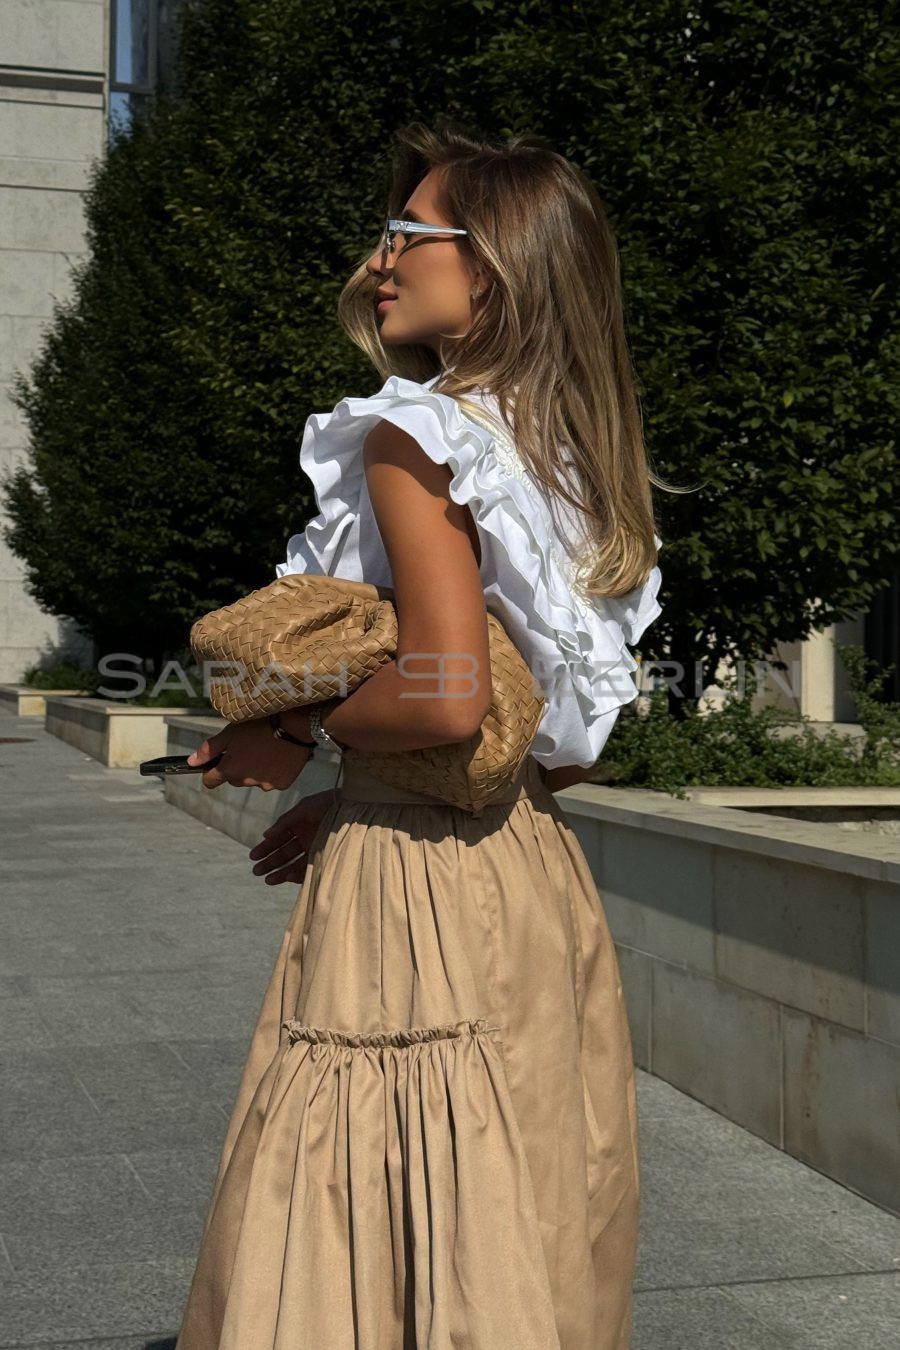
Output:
x=434 y=1142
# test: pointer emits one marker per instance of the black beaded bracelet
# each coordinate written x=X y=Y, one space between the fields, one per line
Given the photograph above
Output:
x=279 y=731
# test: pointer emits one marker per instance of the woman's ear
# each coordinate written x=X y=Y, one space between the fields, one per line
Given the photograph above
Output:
x=484 y=281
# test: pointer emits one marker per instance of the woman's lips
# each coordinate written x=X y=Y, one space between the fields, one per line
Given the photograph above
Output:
x=383 y=304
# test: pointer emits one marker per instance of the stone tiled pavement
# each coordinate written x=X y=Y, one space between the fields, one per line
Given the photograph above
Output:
x=135 y=949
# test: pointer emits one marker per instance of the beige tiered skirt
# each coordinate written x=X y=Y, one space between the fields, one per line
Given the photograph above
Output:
x=434 y=1143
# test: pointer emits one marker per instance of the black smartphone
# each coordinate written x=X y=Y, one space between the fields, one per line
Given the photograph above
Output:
x=177 y=764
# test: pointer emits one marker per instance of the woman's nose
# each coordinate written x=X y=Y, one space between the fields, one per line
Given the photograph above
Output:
x=376 y=263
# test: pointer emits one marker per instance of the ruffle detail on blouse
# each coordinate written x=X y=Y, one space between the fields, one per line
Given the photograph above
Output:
x=529 y=581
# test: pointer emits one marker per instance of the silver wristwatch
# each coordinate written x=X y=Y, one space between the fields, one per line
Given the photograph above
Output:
x=318 y=732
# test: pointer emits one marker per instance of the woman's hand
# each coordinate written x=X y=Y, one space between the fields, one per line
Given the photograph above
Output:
x=282 y=852
x=253 y=757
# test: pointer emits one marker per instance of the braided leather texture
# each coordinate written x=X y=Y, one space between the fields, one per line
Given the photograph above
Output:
x=306 y=638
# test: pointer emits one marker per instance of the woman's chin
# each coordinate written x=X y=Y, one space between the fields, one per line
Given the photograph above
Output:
x=389 y=333
x=401 y=335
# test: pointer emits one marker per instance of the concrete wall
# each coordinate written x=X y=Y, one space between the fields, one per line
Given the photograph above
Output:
x=760 y=959
x=53 y=77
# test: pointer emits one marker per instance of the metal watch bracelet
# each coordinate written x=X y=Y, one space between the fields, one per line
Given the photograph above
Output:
x=318 y=732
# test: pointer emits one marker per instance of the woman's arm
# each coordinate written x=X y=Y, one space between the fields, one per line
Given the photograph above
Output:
x=566 y=776
x=443 y=690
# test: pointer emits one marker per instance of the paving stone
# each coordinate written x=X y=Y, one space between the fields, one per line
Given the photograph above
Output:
x=828 y=1313
x=116 y=1343
x=75 y=1301
x=90 y=1209
x=185 y=1175
x=699 y=1319
x=687 y=1249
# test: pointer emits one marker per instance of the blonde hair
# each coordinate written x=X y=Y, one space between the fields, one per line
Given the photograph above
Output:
x=549 y=342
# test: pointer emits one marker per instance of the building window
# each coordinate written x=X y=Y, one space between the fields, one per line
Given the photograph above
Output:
x=142 y=57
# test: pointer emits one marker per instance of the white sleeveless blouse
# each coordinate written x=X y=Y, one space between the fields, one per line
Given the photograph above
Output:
x=576 y=646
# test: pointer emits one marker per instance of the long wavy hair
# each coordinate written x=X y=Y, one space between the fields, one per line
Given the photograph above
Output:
x=549 y=342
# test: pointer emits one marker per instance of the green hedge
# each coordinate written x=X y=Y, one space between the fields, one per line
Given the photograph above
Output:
x=737 y=746
x=747 y=155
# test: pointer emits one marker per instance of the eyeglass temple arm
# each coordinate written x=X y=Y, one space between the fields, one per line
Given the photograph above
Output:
x=417 y=227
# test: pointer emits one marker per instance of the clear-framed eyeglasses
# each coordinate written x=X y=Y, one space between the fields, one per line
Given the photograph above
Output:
x=406 y=229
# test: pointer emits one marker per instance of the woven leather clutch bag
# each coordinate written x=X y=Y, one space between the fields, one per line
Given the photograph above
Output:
x=308 y=638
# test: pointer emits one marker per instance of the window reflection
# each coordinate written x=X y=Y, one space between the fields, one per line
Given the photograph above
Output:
x=143 y=51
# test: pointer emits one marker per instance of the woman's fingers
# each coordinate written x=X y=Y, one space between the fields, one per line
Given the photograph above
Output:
x=281 y=854
x=271 y=840
x=295 y=872
x=298 y=822
x=279 y=857
x=209 y=750
x=286 y=863
x=285 y=829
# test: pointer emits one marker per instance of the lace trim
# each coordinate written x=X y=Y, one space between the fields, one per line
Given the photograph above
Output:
x=511 y=463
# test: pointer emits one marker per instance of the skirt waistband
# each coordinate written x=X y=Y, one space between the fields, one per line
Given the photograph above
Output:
x=359 y=786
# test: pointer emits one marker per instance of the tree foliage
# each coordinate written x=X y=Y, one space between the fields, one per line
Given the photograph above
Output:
x=746 y=154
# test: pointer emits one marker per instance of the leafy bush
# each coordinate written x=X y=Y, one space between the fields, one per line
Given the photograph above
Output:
x=180 y=684
x=174 y=697
x=736 y=746
x=170 y=698
x=61 y=674
x=65 y=673
x=879 y=717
